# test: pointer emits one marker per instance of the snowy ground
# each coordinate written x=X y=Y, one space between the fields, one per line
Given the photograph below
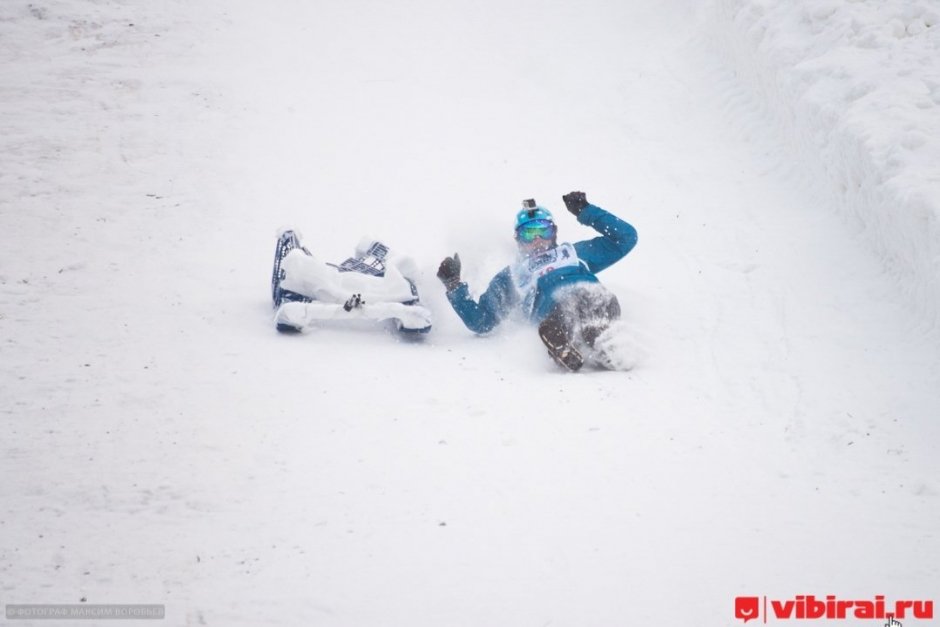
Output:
x=162 y=444
x=854 y=90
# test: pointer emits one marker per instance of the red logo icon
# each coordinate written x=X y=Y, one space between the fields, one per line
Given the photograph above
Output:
x=746 y=608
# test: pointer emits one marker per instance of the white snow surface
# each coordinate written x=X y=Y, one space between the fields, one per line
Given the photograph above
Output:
x=161 y=443
x=854 y=88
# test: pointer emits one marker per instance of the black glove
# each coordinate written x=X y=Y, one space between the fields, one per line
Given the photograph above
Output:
x=449 y=272
x=576 y=202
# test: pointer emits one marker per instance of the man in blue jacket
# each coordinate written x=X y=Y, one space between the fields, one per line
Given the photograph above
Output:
x=554 y=284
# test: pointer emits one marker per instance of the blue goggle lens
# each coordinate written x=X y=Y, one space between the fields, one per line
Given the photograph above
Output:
x=544 y=229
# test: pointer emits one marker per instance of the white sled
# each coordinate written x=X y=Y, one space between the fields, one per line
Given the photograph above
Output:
x=372 y=285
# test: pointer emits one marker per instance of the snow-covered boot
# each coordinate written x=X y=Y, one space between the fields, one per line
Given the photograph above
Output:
x=555 y=333
x=616 y=348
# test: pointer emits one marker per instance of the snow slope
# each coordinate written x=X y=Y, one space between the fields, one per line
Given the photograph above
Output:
x=162 y=444
x=855 y=90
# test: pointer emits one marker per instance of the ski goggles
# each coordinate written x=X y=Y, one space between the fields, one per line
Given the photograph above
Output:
x=544 y=229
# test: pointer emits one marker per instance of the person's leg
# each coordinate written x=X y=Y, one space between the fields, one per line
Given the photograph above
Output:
x=596 y=307
x=579 y=329
x=557 y=333
x=602 y=337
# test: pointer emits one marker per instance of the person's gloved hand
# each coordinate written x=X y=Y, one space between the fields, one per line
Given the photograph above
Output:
x=449 y=272
x=575 y=202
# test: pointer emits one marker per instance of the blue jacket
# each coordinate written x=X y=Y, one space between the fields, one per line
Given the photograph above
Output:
x=532 y=282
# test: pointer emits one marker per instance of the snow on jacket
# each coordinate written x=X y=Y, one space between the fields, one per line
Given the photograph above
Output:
x=532 y=282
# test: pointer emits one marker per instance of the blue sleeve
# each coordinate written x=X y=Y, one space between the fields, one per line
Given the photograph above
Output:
x=616 y=240
x=495 y=303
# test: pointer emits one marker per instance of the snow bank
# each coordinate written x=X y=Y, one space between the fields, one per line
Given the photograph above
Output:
x=855 y=89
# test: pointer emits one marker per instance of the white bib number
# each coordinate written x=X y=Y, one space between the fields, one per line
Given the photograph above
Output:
x=526 y=272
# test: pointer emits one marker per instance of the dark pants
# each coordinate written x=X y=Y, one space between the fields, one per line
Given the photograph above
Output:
x=583 y=312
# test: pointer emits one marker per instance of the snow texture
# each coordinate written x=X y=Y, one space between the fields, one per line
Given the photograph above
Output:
x=312 y=277
x=776 y=435
x=854 y=88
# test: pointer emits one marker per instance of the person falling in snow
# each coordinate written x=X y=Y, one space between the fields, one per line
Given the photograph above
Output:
x=554 y=284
